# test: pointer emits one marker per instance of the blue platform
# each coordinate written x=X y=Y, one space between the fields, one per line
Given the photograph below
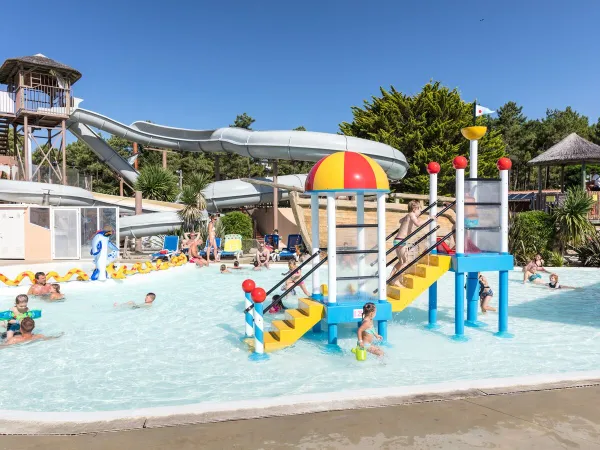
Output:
x=482 y=262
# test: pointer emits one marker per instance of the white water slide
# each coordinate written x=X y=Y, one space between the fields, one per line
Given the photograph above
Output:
x=220 y=195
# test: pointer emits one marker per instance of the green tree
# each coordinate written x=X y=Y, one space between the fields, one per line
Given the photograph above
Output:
x=300 y=128
x=425 y=127
x=595 y=132
x=157 y=183
x=237 y=222
x=243 y=121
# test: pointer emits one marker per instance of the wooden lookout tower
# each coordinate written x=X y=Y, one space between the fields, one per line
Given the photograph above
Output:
x=36 y=98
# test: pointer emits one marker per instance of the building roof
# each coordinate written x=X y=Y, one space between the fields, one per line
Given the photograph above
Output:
x=347 y=172
x=571 y=150
x=40 y=62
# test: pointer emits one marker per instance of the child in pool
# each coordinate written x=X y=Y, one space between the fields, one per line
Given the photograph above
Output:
x=256 y=266
x=294 y=278
x=55 y=292
x=148 y=300
x=554 y=284
x=236 y=265
x=13 y=326
x=366 y=332
x=278 y=305
x=485 y=294
x=224 y=269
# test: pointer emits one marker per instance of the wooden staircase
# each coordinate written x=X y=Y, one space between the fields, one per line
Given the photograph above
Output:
x=4 y=124
x=416 y=279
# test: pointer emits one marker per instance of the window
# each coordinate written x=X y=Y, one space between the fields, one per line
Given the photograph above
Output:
x=40 y=217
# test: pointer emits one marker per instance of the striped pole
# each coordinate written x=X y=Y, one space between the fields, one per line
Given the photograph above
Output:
x=258 y=296
x=249 y=316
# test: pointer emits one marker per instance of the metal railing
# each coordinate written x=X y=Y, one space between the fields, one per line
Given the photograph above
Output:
x=42 y=99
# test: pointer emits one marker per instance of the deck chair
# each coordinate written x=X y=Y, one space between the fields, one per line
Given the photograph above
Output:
x=232 y=246
x=289 y=252
x=170 y=247
x=205 y=249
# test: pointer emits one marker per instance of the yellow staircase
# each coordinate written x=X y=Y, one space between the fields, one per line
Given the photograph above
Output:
x=295 y=324
x=416 y=279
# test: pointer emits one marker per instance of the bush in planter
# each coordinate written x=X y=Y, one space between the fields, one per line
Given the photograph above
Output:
x=529 y=233
x=588 y=253
x=237 y=223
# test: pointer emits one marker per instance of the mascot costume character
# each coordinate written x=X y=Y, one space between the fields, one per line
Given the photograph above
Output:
x=104 y=253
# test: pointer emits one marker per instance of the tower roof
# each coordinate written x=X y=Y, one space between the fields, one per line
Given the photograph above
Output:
x=347 y=172
x=41 y=63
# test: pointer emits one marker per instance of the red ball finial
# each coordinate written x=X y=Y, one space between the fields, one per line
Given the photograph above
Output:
x=433 y=168
x=504 y=164
x=248 y=286
x=258 y=295
x=460 y=162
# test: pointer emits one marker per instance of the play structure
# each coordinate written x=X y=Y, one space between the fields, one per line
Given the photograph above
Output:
x=357 y=255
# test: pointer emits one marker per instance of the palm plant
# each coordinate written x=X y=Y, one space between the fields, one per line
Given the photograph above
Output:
x=571 y=219
x=193 y=200
x=157 y=183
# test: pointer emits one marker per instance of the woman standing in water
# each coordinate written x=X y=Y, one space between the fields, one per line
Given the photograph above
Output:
x=212 y=239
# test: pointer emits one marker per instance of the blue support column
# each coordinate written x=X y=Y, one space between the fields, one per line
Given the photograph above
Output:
x=332 y=333
x=433 y=298
x=382 y=329
x=459 y=307
x=503 y=306
x=473 y=300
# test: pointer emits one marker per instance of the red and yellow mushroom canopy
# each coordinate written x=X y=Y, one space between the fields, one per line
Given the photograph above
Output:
x=347 y=171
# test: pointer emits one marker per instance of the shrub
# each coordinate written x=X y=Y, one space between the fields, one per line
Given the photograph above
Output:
x=554 y=259
x=571 y=219
x=237 y=223
x=530 y=232
x=157 y=183
x=588 y=253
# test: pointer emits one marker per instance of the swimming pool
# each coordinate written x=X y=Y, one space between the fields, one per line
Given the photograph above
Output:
x=186 y=348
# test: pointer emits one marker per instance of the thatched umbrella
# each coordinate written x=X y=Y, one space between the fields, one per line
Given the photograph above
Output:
x=572 y=150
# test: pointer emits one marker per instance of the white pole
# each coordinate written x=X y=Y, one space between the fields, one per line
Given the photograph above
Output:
x=314 y=221
x=504 y=211
x=433 y=210
x=460 y=211
x=331 y=248
x=381 y=246
x=360 y=219
x=473 y=158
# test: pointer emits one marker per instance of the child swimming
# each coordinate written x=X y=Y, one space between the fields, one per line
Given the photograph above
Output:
x=278 y=305
x=366 y=332
x=20 y=307
x=55 y=292
x=236 y=265
x=148 y=300
x=554 y=284
x=224 y=269
x=485 y=294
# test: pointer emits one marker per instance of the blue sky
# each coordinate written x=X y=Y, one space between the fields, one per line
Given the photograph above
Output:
x=198 y=64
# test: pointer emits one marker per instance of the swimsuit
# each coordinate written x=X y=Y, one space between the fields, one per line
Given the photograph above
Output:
x=485 y=291
x=554 y=285
x=534 y=277
x=398 y=240
x=470 y=223
x=370 y=331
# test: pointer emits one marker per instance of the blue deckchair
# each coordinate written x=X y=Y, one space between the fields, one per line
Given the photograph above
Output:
x=290 y=251
x=170 y=247
x=272 y=240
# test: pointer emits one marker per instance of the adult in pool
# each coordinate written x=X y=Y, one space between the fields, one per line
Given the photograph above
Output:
x=27 y=326
x=39 y=286
x=530 y=274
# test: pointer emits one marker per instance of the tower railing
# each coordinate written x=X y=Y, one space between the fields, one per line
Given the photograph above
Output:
x=51 y=100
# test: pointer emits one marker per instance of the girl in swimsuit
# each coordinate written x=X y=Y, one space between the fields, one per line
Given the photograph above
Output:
x=485 y=294
x=366 y=332
x=212 y=242
x=554 y=284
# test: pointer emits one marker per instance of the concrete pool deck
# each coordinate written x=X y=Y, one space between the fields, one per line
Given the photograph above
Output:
x=563 y=416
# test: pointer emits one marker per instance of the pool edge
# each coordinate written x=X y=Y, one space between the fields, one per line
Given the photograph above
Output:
x=41 y=423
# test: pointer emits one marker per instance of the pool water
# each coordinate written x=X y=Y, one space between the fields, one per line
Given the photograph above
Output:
x=186 y=348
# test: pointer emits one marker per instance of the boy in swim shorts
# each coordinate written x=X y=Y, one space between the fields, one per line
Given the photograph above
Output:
x=294 y=278
x=407 y=223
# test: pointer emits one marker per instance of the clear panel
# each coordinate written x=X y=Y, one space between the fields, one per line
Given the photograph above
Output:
x=108 y=216
x=477 y=241
x=347 y=238
x=89 y=226
x=66 y=238
x=482 y=191
x=40 y=217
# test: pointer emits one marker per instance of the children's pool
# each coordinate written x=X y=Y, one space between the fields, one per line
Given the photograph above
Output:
x=186 y=348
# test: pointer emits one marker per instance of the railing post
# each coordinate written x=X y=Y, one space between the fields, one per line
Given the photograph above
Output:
x=459 y=163
x=433 y=168
x=314 y=208
x=381 y=244
x=331 y=249
x=360 y=219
